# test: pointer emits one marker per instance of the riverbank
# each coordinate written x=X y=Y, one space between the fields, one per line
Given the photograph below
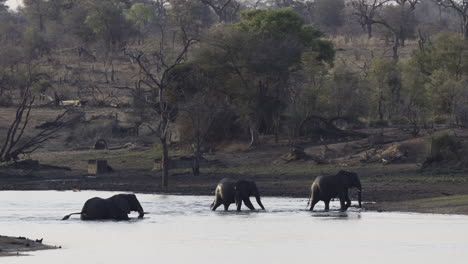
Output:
x=399 y=187
x=16 y=246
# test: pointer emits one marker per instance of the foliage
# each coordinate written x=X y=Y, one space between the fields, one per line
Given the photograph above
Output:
x=329 y=13
x=445 y=147
x=140 y=14
x=385 y=77
x=445 y=65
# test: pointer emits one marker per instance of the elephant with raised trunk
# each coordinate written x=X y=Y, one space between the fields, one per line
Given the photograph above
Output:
x=116 y=207
x=231 y=191
x=327 y=187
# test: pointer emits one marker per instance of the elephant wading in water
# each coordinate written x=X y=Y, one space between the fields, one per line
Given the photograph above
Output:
x=325 y=188
x=116 y=207
x=231 y=191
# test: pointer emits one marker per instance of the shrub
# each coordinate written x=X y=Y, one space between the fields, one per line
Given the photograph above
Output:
x=440 y=119
x=445 y=147
x=401 y=121
x=5 y=101
x=378 y=123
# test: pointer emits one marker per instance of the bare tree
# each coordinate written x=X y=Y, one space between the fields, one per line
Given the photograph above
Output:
x=461 y=7
x=155 y=68
x=202 y=111
x=226 y=10
x=16 y=143
x=369 y=13
x=366 y=11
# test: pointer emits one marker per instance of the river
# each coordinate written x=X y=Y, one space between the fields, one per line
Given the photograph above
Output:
x=182 y=229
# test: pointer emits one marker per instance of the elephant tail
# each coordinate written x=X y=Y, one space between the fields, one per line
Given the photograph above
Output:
x=68 y=216
x=309 y=201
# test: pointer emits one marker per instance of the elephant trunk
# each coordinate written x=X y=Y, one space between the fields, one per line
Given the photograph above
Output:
x=140 y=211
x=259 y=202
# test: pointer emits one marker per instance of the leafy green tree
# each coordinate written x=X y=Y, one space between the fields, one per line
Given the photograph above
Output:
x=191 y=16
x=444 y=64
x=141 y=15
x=414 y=94
x=256 y=57
x=34 y=44
x=385 y=76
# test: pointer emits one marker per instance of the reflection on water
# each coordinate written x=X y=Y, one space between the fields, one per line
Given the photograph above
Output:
x=182 y=229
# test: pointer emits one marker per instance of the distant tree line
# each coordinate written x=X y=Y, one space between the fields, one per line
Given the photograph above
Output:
x=225 y=69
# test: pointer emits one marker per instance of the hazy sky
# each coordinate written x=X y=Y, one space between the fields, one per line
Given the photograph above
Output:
x=13 y=3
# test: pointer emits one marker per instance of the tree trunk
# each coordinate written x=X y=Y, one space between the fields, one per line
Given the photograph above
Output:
x=254 y=137
x=197 y=153
x=381 y=115
x=369 y=30
x=196 y=162
x=165 y=162
x=396 y=45
x=465 y=21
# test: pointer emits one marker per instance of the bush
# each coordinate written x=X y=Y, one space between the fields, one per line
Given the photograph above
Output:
x=400 y=121
x=5 y=101
x=378 y=123
x=445 y=147
x=440 y=120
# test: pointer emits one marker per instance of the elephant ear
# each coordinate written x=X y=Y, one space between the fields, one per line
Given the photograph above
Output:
x=121 y=201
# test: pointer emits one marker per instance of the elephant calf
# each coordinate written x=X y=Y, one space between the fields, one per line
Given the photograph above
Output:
x=116 y=207
x=325 y=188
x=231 y=191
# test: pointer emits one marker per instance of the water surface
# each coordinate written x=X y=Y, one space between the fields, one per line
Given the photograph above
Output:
x=182 y=229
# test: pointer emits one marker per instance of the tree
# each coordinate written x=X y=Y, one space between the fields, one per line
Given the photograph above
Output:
x=140 y=15
x=445 y=63
x=107 y=22
x=416 y=103
x=256 y=57
x=386 y=79
x=366 y=11
x=155 y=68
x=370 y=13
x=190 y=16
x=461 y=7
x=329 y=13
x=226 y=10
x=16 y=142
x=201 y=107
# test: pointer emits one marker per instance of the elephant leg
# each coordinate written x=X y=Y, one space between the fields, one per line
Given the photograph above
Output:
x=226 y=207
x=312 y=204
x=249 y=204
x=343 y=205
x=216 y=203
x=238 y=204
x=314 y=199
x=327 y=204
x=344 y=201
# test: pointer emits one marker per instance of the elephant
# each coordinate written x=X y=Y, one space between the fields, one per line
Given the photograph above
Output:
x=116 y=207
x=231 y=191
x=327 y=187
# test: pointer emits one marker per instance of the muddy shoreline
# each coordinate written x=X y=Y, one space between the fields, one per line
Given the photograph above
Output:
x=20 y=246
